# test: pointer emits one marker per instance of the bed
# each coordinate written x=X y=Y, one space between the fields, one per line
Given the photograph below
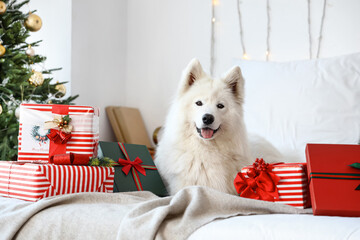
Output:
x=194 y=213
x=287 y=105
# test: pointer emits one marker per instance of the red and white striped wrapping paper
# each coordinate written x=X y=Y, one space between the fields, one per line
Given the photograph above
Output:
x=293 y=184
x=85 y=133
x=32 y=182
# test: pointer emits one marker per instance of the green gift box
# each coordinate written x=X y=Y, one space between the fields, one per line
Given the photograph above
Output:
x=136 y=170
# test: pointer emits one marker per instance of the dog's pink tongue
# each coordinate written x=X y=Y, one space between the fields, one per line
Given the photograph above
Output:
x=207 y=132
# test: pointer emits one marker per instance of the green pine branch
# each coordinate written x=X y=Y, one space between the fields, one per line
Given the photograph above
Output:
x=15 y=71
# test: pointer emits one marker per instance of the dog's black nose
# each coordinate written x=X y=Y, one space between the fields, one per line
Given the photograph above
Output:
x=208 y=119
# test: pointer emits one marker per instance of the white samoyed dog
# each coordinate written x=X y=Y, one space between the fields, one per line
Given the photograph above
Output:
x=204 y=140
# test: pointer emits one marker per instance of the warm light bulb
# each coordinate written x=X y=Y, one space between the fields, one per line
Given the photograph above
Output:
x=215 y=2
x=213 y=20
x=245 y=56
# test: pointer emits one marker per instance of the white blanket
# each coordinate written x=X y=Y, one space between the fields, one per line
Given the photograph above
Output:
x=132 y=215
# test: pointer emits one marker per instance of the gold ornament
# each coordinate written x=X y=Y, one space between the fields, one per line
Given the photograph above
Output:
x=36 y=78
x=30 y=51
x=61 y=90
x=2 y=7
x=2 y=50
x=33 y=23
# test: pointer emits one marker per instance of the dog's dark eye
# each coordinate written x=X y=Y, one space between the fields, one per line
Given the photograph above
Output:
x=199 y=103
x=220 y=106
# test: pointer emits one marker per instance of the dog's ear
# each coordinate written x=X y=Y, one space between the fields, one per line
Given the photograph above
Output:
x=192 y=72
x=235 y=81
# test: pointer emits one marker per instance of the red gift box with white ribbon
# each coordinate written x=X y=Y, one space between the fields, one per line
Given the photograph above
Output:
x=44 y=133
x=32 y=182
x=285 y=183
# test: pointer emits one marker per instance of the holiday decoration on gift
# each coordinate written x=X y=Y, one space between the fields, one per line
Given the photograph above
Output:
x=62 y=127
x=258 y=182
x=104 y=162
x=42 y=139
x=32 y=182
x=357 y=166
x=136 y=170
x=47 y=131
x=33 y=22
x=36 y=79
x=19 y=83
x=334 y=173
x=2 y=7
x=278 y=182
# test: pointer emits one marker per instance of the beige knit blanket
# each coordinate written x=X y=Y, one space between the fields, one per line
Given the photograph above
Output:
x=133 y=215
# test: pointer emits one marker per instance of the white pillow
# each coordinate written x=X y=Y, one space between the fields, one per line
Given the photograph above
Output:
x=312 y=101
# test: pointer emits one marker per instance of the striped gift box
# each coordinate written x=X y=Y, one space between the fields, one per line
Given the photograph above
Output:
x=32 y=182
x=34 y=145
x=293 y=184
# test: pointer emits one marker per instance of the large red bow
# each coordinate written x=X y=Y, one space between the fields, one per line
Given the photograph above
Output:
x=127 y=165
x=58 y=136
x=258 y=184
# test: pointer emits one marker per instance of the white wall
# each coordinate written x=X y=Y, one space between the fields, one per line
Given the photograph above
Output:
x=132 y=52
x=56 y=35
x=162 y=37
x=98 y=56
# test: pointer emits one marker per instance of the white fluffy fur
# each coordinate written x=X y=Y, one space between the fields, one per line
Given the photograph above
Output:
x=184 y=158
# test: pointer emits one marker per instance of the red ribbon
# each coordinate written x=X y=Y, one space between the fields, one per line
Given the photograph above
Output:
x=70 y=159
x=58 y=136
x=127 y=165
x=57 y=147
x=135 y=166
x=258 y=184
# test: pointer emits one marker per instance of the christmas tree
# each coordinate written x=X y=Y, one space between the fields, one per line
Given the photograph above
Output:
x=19 y=82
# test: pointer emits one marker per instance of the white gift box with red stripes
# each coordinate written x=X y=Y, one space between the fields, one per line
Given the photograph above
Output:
x=34 y=145
x=293 y=184
x=32 y=182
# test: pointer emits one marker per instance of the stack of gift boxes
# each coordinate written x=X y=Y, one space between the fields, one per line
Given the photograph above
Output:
x=57 y=142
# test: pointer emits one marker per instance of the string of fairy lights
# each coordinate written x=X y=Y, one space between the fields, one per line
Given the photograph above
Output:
x=245 y=54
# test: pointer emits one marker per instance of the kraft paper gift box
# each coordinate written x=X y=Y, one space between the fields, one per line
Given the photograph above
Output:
x=32 y=182
x=334 y=173
x=34 y=142
x=284 y=183
x=137 y=171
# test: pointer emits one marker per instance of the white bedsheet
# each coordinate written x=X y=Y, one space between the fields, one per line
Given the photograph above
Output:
x=281 y=226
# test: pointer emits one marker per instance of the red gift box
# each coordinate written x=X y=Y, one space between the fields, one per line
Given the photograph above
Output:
x=334 y=183
x=40 y=137
x=285 y=183
x=32 y=182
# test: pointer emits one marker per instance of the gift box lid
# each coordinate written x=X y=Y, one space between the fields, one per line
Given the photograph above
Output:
x=126 y=182
x=334 y=183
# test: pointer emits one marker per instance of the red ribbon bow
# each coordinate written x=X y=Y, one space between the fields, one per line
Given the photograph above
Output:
x=127 y=165
x=134 y=165
x=258 y=183
x=59 y=136
x=70 y=159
